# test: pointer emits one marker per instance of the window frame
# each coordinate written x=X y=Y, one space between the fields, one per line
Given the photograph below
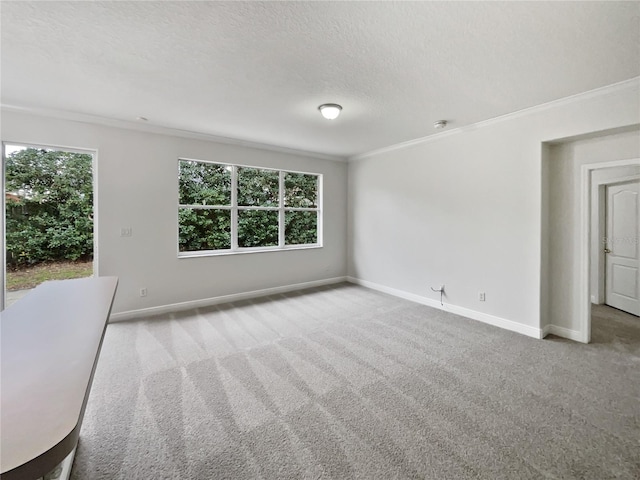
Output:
x=235 y=208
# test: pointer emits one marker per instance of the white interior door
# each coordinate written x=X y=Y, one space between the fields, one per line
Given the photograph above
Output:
x=622 y=248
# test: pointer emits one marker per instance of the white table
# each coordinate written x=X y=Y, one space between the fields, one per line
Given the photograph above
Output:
x=50 y=342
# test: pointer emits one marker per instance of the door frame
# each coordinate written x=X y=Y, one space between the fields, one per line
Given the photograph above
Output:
x=601 y=199
x=94 y=181
x=584 y=311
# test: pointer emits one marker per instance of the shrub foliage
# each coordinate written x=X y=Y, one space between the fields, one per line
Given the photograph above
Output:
x=49 y=206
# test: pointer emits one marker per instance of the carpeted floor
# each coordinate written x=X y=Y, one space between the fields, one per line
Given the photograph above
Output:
x=344 y=382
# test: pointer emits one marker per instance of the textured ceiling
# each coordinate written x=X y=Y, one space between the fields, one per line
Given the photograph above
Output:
x=258 y=70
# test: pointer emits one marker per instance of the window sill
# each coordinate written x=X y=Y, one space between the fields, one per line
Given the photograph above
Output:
x=218 y=253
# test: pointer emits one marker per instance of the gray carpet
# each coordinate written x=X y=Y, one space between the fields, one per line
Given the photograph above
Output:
x=344 y=382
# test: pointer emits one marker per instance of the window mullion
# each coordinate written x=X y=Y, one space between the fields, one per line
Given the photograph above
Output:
x=205 y=207
x=234 y=208
x=281 y=210
x=263 y=209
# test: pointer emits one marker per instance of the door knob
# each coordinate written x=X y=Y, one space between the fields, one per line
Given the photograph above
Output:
x=606 y=250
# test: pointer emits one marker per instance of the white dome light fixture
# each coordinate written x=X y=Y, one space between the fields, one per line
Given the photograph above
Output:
x=330 y=111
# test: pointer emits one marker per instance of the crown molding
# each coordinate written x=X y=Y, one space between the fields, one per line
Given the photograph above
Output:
x=163 y=130
x=608 y=89
x=176 y=132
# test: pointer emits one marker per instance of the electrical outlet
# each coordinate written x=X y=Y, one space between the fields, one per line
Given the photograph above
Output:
x=126 y=231
x=481 y=296
x=143 y=292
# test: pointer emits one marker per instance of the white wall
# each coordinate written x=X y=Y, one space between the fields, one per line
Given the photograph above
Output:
x=137 y=187
x=464 y=209
x=564 y=162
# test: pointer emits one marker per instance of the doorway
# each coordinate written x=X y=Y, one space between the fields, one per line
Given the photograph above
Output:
x=589 y=207
x=621 y=246
x=48 y=219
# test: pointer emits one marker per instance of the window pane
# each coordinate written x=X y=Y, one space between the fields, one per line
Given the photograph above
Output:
x=300 y=190
x=204 y=183
x=258 y=188
x=257 y=228
x=200 y=229
x=300 y=228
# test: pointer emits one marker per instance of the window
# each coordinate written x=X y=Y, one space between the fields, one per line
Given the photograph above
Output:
x=230 y=208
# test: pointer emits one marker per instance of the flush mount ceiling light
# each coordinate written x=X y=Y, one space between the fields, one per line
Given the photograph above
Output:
x=330 y=111
x=440 y=124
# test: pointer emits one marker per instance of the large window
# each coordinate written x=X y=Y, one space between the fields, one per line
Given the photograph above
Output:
x=230 y=208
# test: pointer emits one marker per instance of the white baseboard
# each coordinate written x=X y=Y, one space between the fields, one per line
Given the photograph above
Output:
x=465 y=312
x=206 y=302
x=562 y=332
